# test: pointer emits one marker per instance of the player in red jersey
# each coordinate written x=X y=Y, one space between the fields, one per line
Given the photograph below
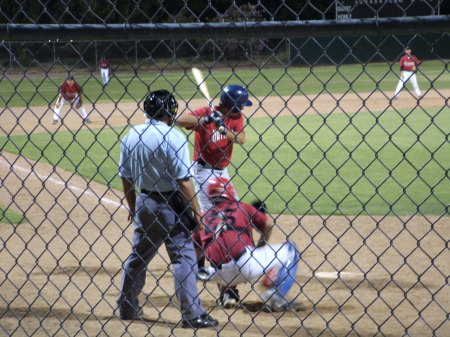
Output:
x=105 y=66
x=216 y=130
x=227 y=241
x=70 y=91
x=408 y=68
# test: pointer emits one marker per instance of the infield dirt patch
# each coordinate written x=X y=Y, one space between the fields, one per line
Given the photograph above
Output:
x=23 y=120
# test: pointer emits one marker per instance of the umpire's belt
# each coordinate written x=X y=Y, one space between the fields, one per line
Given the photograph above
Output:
x=156 y=193
x=176 y=203
x=205 y=164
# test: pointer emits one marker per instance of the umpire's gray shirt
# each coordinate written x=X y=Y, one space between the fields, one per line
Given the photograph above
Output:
x=153 y=156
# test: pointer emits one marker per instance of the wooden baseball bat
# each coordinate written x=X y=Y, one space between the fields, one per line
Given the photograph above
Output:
x=201 y=84
x=197 y=73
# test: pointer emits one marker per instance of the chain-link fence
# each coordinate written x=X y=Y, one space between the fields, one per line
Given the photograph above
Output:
x=346 y=144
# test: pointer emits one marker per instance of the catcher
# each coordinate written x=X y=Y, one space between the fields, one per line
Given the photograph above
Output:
x=227 y=242
x=72 y=92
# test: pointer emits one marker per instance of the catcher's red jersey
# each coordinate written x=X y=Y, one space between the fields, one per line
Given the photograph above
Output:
x=407 y=63
x=211 y=146
x=228 y=230
x=69 y=93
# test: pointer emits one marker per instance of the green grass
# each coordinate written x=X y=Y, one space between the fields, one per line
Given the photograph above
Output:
x=346 y=164
x=261 y=82
x=91 y=153
x=377 y=163
x=9 y=217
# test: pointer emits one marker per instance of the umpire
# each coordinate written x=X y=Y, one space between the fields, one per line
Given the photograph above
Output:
x=155 y=158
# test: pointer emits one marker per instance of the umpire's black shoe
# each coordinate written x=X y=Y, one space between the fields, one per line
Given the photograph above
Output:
x=202 y=321
x=131 y=317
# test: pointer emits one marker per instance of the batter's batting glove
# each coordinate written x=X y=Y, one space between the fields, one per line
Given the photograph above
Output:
x=208 y=119
x=220 y=125
x=215 y=115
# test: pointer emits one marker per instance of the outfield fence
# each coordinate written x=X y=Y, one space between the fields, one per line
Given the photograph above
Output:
x=356 y=176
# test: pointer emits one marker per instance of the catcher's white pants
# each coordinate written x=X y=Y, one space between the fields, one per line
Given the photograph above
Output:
x=411 y=77
x=105 y=75
x=57 y=111
x=255 y=263
x=201 y=176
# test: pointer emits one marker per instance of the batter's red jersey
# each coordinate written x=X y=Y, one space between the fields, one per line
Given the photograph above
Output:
x=407 y=63
x=228 y=230
x=211 y=146
x=104 y=64
x=69 y=93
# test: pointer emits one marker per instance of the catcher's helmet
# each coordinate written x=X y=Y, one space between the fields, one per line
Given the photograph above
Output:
x=234 y=97
x=221 y=187
x=160 y=104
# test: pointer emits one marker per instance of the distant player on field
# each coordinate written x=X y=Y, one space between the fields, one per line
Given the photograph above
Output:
x=408 y=68
x=70 y=91
x=104 y=70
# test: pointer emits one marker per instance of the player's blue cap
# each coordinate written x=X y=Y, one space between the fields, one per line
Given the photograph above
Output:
x=235 y=96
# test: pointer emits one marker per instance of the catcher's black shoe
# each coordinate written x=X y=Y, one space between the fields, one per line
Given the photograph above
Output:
x=202 y=321
x=229 y=298
x=131 y=317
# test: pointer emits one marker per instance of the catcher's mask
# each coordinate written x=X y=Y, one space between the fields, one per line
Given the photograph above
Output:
x=220 y=187
x=160 y=104
x=234 y=97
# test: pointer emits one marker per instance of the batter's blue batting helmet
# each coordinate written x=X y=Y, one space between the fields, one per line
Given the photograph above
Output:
x=234 y=97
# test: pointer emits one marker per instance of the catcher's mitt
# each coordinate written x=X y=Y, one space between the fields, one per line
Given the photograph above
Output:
x=260 y=205
x=79 y=104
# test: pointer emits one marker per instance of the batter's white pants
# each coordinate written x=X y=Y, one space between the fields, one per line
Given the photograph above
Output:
x=201 y=176
x=57 y=111
x=411 y=77
x=255 y=263
x=105 y=75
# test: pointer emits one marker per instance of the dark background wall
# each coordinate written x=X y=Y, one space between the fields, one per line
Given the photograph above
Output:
x=340 y=50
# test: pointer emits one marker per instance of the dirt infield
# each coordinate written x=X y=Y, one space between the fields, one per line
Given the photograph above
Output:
x=60 y=273
x=25 y=120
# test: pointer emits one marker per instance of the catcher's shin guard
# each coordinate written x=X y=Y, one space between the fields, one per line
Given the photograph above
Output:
x=286 y=274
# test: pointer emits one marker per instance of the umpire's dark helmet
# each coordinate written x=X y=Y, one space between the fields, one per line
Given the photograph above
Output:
x=160 y=104
x=234 y=97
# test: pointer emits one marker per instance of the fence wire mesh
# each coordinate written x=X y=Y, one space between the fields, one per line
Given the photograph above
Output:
x=350 y=156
